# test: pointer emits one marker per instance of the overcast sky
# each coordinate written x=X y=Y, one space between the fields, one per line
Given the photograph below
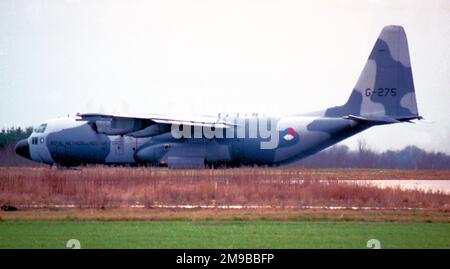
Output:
x=204 y=57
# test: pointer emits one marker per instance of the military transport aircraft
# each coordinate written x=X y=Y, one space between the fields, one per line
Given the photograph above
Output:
x=384 y=94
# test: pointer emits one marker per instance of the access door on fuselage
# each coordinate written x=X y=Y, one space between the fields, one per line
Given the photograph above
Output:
x=122 y=149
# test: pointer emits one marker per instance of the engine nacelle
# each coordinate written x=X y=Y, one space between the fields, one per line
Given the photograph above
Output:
x=121 y=126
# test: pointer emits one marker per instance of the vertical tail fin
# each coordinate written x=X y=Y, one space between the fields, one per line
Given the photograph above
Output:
x=385 y=88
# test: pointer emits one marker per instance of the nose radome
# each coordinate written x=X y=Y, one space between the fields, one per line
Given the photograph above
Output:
x=23 y=149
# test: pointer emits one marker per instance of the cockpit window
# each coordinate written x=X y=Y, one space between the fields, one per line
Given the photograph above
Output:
x=41 y=128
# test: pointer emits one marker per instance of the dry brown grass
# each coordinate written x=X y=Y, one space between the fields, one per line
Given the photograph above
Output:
x=112 y=187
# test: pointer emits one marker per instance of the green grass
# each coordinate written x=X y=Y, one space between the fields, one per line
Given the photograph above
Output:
x=232 y=234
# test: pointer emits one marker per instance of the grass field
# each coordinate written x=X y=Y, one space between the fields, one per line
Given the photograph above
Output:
x=229 y=234
x=283 y=208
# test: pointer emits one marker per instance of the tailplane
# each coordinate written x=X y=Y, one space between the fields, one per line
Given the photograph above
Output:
x=385 y=88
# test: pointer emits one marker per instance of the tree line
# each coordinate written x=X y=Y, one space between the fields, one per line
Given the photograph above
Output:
x=410 y=157
x=12 y=135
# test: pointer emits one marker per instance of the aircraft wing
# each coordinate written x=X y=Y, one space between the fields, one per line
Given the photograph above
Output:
x=146 y=125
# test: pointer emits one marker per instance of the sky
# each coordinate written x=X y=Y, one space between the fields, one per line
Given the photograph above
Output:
x=276 y=57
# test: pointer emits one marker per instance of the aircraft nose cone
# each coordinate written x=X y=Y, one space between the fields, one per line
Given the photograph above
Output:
x=23 y=149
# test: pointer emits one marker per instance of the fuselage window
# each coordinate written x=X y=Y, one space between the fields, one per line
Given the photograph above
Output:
x=41 y=128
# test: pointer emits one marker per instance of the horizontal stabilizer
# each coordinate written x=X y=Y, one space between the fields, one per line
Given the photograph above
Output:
x=381 y=119
x=376 y=120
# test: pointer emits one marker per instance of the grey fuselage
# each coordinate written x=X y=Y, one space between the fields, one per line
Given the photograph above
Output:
x=71 y=141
